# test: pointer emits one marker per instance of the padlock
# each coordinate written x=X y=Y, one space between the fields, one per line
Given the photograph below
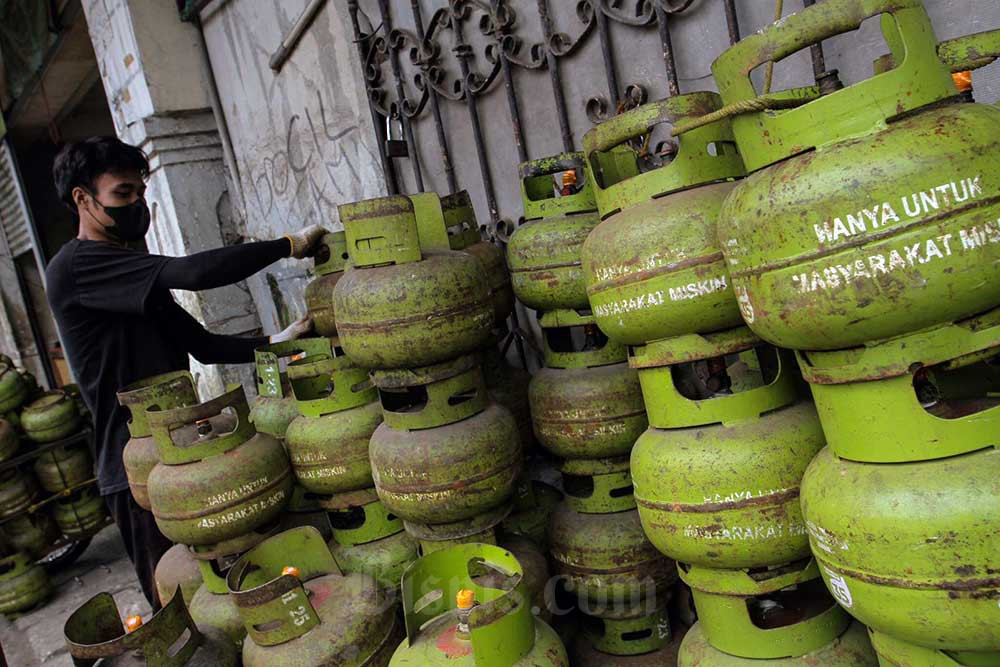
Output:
x=395 y=147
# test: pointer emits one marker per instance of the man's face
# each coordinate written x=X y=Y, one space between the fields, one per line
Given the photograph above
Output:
x=119 y=189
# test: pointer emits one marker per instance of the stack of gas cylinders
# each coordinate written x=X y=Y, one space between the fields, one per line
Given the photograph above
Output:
x=875 y=257
x=47 y=501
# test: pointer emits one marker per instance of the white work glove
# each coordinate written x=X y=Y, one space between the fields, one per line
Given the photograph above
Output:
x=304 y=241
x=295 y=330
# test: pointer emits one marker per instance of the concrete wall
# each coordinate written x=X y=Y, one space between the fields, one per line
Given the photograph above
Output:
x=303 y=137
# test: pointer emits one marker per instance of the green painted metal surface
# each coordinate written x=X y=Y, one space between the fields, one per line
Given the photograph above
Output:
x=912 y=243
x=421 y=398
x=560 y=350
x=851 y=649
x=607 y=559
x=508 y=385
x=215 y=481
x=398 y=307
x=942 y=421
x=544 y=252
x=909 y=549
x=81 y=513
x=17 y=491
x=598 y=486
x=761 y=379
x=23 y=584
x=481 y=528
x=274 y=408
x=211 y=606
x=168 y=639
x=13 y=390
x=177 y=570
x=63 y=468
x=448 y=473
x=9 y=439
x=501 y=629
x=893 y=652
x=779 y=613
x=368 y=539
x=33 y=533
x=329 y=264
x=317 y=616
x=163 y=392
x=328 y=442
x=645 y=631
x=534 y=502
x=52 y=417
x=727 y=495
x=970 y=52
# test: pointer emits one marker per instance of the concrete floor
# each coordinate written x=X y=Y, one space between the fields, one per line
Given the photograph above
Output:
x=37 y=638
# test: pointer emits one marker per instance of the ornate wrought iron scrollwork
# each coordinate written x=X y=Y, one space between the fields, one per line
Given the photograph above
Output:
x=404 y=40
x=561 y=44
x=643 y=13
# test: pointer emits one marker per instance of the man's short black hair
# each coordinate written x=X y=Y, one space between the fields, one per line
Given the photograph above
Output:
x=80 y=164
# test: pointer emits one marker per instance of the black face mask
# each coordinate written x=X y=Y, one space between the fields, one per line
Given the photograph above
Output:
x=131 y=221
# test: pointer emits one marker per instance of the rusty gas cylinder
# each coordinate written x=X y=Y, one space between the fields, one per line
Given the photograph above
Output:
x=533 y=504
x=464 y=234
x=23 y=584
x=586 y=403
x=597 y=542
x=51 y=417
x=63 y=467
x=400 y=304
x=850 y=649
x=642 y=288
x=338 y=412
x=170 y=638
x=368 y=539
x=445 y=452
x=17 y=490
x=913 y=242
x=215 y=481
x=13 y=389
x=544 y=251
x=329 y=264
x=80 y=514
x=274 y=408
x=162 y=392
x=211 y=606
x=455 y=616
x=643 y=637
x=300 y=609
x=177 y=570
x=33 y=533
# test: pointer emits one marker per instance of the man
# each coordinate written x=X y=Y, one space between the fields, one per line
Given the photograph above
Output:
x=118 y=321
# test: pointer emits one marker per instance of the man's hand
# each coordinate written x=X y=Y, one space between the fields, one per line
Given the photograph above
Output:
x=304 y=241
x=296 y=329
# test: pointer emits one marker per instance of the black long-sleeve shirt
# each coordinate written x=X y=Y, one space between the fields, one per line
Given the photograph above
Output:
x=119 y=324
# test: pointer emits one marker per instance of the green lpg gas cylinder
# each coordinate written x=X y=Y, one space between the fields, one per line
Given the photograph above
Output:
x=160 y=392
x=23 y=584
x=274 y=408
x=893 y=652
x=368 y=539
x=480 y=529
x=168 y=639
x=177 y=570
x=765 y=613
x=215 y=481
x=453 y=620
x=52 y=417
x=445 y=453
x=913 y=242
x=33 y=533
x=508 y=385
x=458 y=215
x=586 y=403
x=299 y=609
x=80 y=514
x=329 y=264
x=597 y=543
x=304 y=509
x=401 y=305
x=639 y=638
x=73 y=391
x=937 y=392
x=13 y=389
x=909 y=549
x=338 y=412
x=9 y=440
x=211 y=606
x=63 y=467
x=641 y=288
x=533 y=504
x=851 y=649
x=719 y=486
x=544 y=252
x=17 y=491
